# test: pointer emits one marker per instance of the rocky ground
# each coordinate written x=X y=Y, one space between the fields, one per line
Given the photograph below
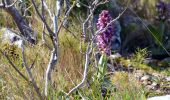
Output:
x=154 y=81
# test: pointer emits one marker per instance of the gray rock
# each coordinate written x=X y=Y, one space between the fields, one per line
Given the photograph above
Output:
x=166 y=59
x=168 y=78
x=114 y=56
x=166 y=97
x=9 y=36
x=139 y=74
x=145 y=77
x=154 y=86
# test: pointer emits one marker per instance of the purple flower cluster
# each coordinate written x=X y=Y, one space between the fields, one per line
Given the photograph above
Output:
x=163 y=10
x=104 y=39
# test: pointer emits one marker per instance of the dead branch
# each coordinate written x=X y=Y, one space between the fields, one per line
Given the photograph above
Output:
x=14 y=66
x=88 y=51
x=24 y=28
x=30 y=74
x=85 y=70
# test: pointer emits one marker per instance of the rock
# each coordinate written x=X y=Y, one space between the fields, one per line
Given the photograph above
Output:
x=168 y=78
x=116 y=41
x=157 y=75
x=114 y=56
x=145 y=78
x=145 y=83
x=154 y=86
x=138 y=74
x=166 y=59
x=9 y=36
x=166 y=97
x=149 y=87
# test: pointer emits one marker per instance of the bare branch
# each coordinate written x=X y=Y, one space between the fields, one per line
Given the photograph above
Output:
x=24 y=28
x=85 y=71
x=14 y=66
x=48 y=10
x=30 y=74
x=66 y=16
x=89 y=49
x=111 y=22
x=7 y=6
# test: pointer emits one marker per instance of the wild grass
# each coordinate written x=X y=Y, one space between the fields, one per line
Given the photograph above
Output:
x=68 y=71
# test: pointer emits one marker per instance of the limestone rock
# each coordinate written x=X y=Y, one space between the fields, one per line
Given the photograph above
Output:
x=10 y=37
x=145 y=77
x=166 y=97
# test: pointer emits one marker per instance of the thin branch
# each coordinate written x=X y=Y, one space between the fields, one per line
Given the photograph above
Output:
x=51 y=33
x=14 y=66
x=48 y=10
x=89 y=49
x=3 y=5
x=52 y=63
x=24 y=15
x=8 y=6
x=85 y=71
x=107 y=26
x=72 y=83
x=30 y=74
x=66 y=16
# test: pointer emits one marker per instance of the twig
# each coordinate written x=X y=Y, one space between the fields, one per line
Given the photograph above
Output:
x=30 y=74
x=89 y=49
x=85 y=71
x=3 y=5
x=14 y=66
x=72 y=83
x=111 y=22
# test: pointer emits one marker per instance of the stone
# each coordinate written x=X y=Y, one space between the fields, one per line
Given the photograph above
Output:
x=138 y=74
x=145 y=83
x=10 y=37
x=114 y=56
x=166 y=59
x=168 y=78
x=166 y=97
x=155 y=86
x=145 y=77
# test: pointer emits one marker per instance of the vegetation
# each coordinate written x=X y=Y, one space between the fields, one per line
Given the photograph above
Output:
x=80 y=54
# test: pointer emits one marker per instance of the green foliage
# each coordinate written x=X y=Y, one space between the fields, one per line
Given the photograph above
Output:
x=139 y=55
x=127 y=87
x=158 y=33
x=102 y=67
x=68 y=72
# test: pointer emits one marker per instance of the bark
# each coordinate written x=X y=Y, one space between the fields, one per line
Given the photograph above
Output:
x=24 y=28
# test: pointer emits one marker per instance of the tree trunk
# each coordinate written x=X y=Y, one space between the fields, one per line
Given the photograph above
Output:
x=24 y=28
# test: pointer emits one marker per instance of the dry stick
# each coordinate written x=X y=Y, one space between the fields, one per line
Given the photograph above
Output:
x=44 y=4
x=14 y=66
x=88 y=51
x=7 y=6
x=24 y=15
x=73 y=83
x=53 y=58
x=88 y=18
x=51 y=33
x=54 y=53
x=85 y=71
x=111 y=22
x=52 y=62
x=30 y=74
x=87 y=54
x=65 y=17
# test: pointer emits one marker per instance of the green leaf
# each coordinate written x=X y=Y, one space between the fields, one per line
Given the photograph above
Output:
x=102 y=66
x=156 y=34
